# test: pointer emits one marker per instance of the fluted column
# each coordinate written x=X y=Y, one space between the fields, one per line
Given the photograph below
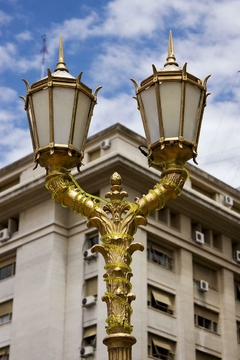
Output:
x=119 y=346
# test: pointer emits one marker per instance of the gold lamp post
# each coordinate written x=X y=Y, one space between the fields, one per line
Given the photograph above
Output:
x=59 y=109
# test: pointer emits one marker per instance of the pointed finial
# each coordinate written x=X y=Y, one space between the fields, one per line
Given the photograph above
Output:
x=61 y=64
x=171 y=60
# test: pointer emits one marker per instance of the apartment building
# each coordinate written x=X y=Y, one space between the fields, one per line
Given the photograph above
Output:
x=187 y=280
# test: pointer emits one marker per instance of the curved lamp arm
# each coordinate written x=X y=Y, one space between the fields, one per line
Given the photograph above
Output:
x=67 y=192
x=169 y=187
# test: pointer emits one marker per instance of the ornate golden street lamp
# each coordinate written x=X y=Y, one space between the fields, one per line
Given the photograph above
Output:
x=59 y=109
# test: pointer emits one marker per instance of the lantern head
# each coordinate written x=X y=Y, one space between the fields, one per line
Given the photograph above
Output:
x=59 y=109
x=171 y=103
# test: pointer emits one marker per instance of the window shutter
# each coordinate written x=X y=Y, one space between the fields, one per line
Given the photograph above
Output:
x=91 y=286
x=89 y=331
x=162 y=297
x=6 y=307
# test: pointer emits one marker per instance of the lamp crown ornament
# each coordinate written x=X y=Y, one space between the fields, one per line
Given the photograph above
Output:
x=61 y=65
x=171 y=60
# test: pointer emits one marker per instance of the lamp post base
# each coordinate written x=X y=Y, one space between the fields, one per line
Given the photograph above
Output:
x=119 y=346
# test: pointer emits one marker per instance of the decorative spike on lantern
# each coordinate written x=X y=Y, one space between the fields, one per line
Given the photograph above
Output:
x=171 y=60
x=171 y=104
x=61 y=65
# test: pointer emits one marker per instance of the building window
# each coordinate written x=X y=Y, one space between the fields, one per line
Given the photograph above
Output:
x=4 y=353
x=5 y=318
x=203 y=189
x=206 y=319
x=160 y=348
x=160 y=256
x=7 y=268
x=216 y=241
x=160 y=300
x=93 y=155
x=211 y=238
x=6 y=312
x=169 y=217
x=202 y=272
x=237 y=290
x=200 y=355
x=238 y=331
x=91 y=286
x=90 y=336
x=92 y=239
x=174 y=220
x=163 y=215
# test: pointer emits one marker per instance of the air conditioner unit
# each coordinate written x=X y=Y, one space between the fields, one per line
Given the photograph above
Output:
x=105 y=144
x=88 y=255
x=203 y=285
x=198 y=237
x=89 y=300
x=86 y=351
x=4 y=235
x=237 y=255
x=228 y=201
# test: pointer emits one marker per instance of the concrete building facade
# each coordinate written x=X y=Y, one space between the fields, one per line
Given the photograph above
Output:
x=187 y=280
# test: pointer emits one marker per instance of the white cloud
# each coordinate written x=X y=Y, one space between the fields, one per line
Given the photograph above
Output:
x=7 y=94
x=133 y=18
x=72 y=29
x=5 y=19
x=16 y=144
x=7 y=58
x=24 y=36
x=119 y=109
x=15 y=140
x=219 y=141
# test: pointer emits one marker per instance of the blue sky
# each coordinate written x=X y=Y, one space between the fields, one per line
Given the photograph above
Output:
x=113 y=41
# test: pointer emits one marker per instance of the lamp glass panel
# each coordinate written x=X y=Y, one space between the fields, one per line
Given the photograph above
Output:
x=170 y=94
x=41 y=110
x=151 y=113
x=82 y=118
x=30 y=120
x=63 y=101
x=192 y=100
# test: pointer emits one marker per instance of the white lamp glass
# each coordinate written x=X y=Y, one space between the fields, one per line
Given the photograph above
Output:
x=63 y=99
x=192 y=99
x=82 y=117
x=150 y=108
x=41 y=109
x=170 y=93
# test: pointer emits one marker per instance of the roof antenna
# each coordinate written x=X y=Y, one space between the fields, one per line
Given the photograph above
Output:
x=43 y=52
